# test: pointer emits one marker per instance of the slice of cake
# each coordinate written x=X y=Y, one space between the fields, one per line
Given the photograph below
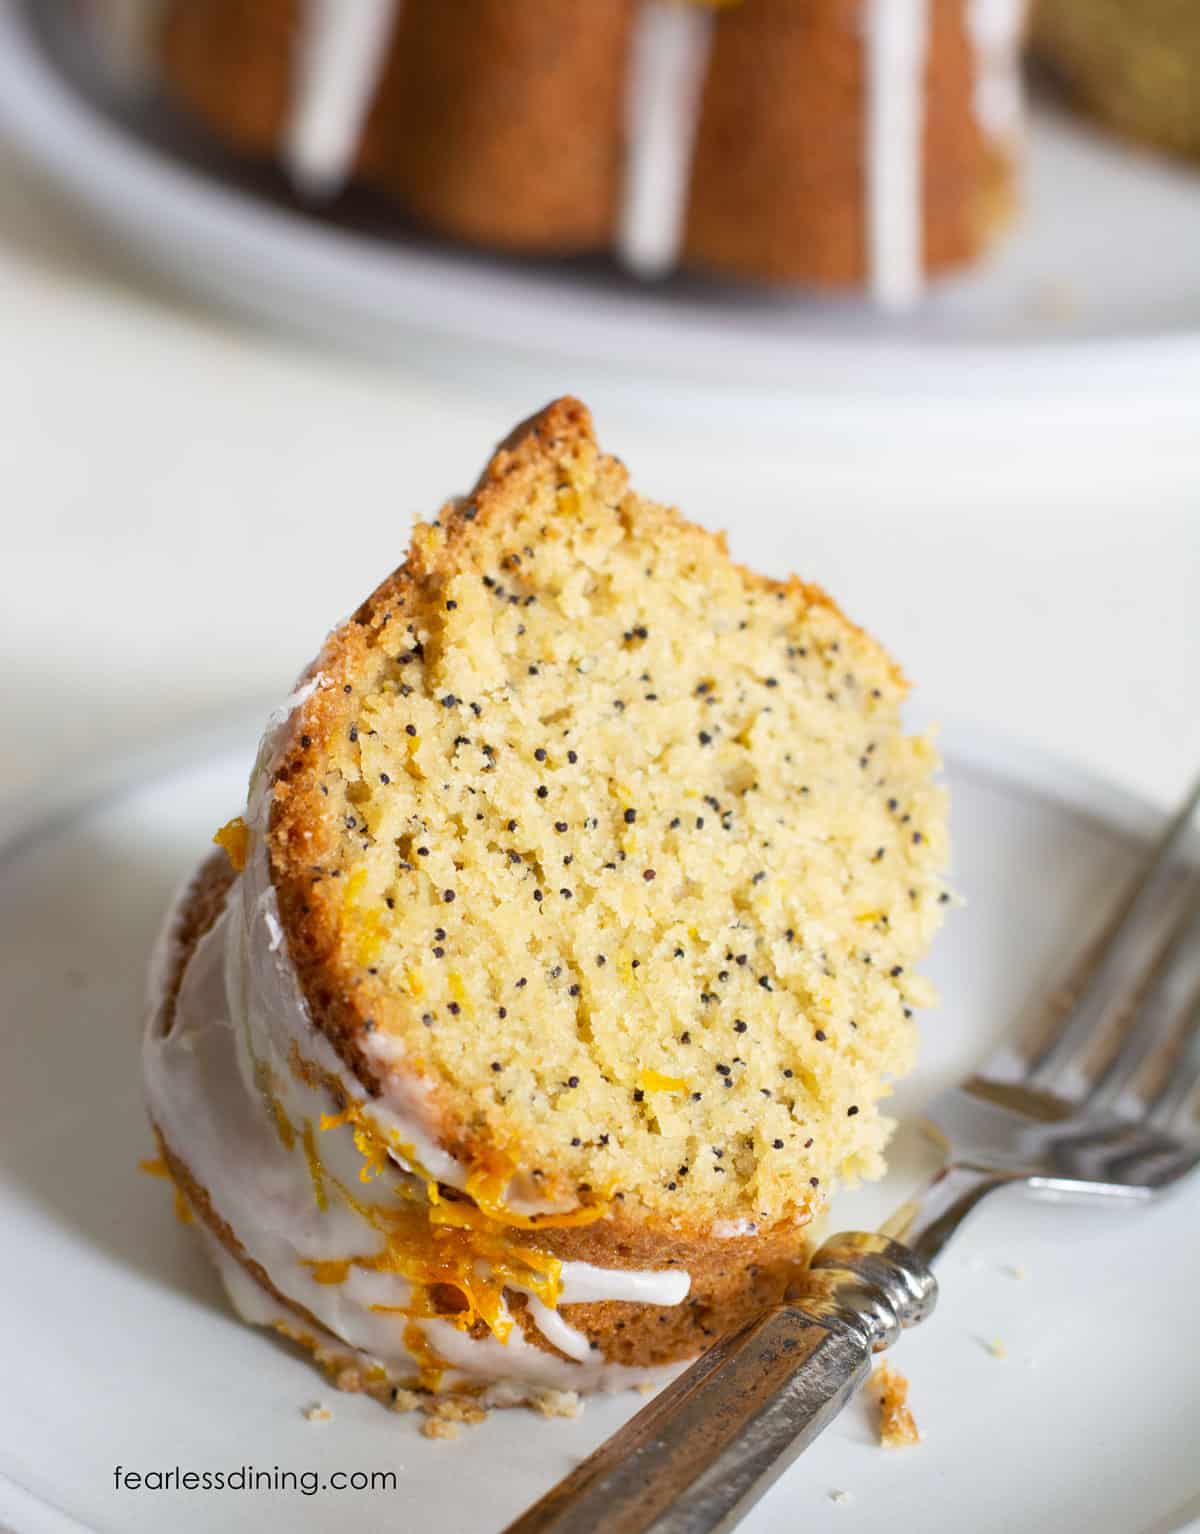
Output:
x=564 y=953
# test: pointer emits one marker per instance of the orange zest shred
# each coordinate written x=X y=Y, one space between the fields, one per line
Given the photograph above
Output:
x=432 y=1243
x=315 y=1169
x=157 y=1167
x=376 y=1148
x=366 y=922
x=655 y=1081
x=458 y=992
x=488 y=1187
x=448 y=1243
x=428 y=1360
x=478 y=1264
x=439 y=1241
x=283 y=1125
x=328 y=1272
x=375 y=1156
x=233 y=838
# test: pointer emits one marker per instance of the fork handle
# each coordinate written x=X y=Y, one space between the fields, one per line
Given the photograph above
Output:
x=697 y=1457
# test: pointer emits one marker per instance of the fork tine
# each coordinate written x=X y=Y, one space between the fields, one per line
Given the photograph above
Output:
x=1118 y=960
x=1184 y=1078
x=1157 y=1011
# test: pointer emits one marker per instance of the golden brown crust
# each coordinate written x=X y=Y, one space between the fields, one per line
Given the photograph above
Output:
x=202 y=904
x=344 y=1002
x=731 y=1279
x=203 y=1209
x=501 y=124
x=229 y=64
x=779 y=185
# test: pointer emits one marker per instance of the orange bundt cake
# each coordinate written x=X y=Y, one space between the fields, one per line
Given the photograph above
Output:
x=563 y=956
x=834 y=143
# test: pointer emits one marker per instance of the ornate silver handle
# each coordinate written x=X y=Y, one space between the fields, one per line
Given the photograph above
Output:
x=697 y=1458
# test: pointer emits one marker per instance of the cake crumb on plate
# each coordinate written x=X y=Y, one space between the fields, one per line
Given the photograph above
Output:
x=316 y=1412
x=460 y=1409
x=897 y=1427
x=556 y=1403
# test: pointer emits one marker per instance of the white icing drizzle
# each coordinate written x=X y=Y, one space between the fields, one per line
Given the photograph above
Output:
x=519 y=1360
x=237 y=1015
x=669 y=55
x=565 y=1337
x=896 y=41
x=257 y=1306
x=581 y=1283
x=995 y=28
x=339 y=52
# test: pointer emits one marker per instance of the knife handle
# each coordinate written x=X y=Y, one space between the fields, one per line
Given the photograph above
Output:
x=698 y=1456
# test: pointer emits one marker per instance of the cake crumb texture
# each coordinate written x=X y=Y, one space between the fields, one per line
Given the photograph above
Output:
x=617 y=847
x=897 y=1427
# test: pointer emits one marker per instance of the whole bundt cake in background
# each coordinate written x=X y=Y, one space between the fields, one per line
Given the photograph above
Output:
x=847 y=144
x=564 y=955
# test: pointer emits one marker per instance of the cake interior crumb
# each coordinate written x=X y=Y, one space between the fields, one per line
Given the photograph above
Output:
x=629 y=853
x=556 y=1403
x=897 y=1428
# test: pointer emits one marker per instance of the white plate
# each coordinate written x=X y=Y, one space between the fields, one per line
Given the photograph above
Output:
x=1097 y=293
x=118 y=1348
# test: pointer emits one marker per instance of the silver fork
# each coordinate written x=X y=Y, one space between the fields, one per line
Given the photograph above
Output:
x=1092 y=1105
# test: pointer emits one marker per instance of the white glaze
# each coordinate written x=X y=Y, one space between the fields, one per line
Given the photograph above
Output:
x=582 y=1283
x=519 y=1360
x=236 y=1017
x=896 y=35
x=669 y=53
x=202 y=1095
x=256 y=1305
x=557 y=1330
x=995 y=28
x=339 y=53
